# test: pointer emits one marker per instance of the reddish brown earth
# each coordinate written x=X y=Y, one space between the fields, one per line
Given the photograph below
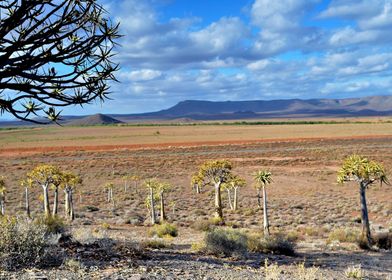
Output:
x=304 y=197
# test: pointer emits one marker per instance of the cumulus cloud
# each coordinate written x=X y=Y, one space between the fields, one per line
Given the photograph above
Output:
x=279 y=49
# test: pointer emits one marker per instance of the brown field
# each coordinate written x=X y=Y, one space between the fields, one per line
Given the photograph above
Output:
x=304 y=197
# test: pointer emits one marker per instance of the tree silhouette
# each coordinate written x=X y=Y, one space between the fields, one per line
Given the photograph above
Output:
x=365 y=172
x=163 y=188
x=232 y=185
x=69 y=182
x=27 y=185
x=44 y=175
x=263 y=178
x=151 y=185
x=54 y=54
x=215 y=173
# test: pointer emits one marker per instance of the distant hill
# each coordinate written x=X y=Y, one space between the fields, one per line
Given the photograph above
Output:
x=98 y=119
x=284 y=108
x=198 y=110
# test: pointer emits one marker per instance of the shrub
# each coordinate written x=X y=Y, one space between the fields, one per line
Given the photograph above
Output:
x=272 y=271
x=225 y=242
x=355 y=272
x=164 y=230
x=362 y=243
x=307 y=273
x=53 y=224
x=383 y=240
x=153 y=244
x=275 y=244
x=343 y=235
x=105 y=226
x=73 y=265
x=22 y=243
x=206 y=225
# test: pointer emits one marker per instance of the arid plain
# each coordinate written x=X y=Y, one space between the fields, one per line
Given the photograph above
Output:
x=305 y=200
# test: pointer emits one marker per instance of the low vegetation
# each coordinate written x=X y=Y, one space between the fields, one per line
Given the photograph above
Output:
x=22 y=243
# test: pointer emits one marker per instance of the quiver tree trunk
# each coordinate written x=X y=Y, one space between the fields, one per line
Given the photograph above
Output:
x=235 y=203
x=218 y=201
x=2 y=205
x=163 y=213
x=46 y=201
x=364 y=214
x=71 y=207
x=27 y=202
x=229 y=199
x=197 y=188
x=152 y=206
x=67 y=203
x=265 y=213
x=259 y=198
x=56 y=201
x=109 y=195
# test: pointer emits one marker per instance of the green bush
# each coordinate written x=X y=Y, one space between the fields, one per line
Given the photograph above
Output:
x=22 y=243
x=275 y=244
x=164 y=230
x=225 y=242
x=53 y=224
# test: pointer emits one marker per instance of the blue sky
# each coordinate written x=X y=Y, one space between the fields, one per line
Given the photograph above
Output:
x=175 y=50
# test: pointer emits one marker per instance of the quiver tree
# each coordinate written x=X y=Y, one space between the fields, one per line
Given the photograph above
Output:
x=215 y=173
x=27 y=184
x=232 y=185
x=135 y=179
x=54 y=54
x=163 y=188
x=69 y=183
x=57 y=180
x=126 y=180
x=2 y=195
x=44 y=175
x=151 y=185
x=365 y=172
x=196 y=182
x=263 y=178
x=109 y=188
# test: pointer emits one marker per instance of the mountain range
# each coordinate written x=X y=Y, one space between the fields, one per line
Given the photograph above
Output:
x=195 y=110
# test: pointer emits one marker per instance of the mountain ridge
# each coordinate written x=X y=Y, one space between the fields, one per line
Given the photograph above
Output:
x=199 y=110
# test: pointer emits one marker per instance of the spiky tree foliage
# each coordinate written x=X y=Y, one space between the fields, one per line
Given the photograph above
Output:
x=44 y=175
x=215 y=173
x=232 y=185
x=27 y=184
x=69 y=183
x=365 y=172
x=54 y=54
x=263 y=178
x=151 y=185
x=2 y=195
x=162 y=189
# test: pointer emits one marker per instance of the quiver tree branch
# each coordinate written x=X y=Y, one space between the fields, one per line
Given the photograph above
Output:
x=54 y=54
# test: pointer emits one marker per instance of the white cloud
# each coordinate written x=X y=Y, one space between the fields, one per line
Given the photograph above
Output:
x=141 y=75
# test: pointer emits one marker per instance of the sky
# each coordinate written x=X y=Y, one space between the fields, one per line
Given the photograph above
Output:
x=175 y=50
